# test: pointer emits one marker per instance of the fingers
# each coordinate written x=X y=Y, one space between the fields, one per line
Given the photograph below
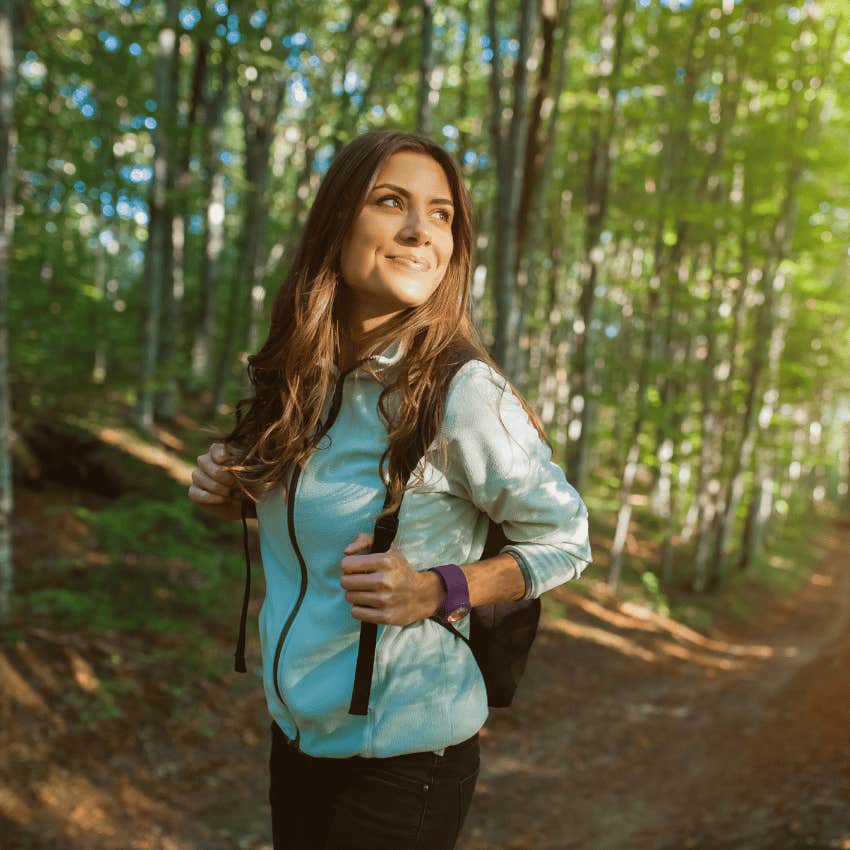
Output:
x=210 y=466
x=363 y=541
x=204 y=497
x=203 y=481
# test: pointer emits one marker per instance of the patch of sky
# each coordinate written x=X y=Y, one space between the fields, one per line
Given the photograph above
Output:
x=137 y=257
x=96 y=142
x=487 y=55
x=469 y=157
x=508 y=46
x=109 y=41
x=150 y=105
x=80 y=187
x=644 y=3
x=313 y=61
x=293 y=60
x=707 y=93
x=32 y=69
x=137 y=174
x=220 y=30
x=221 y=8
x=823 y=206
x=450 y=131
x=189 y=18
x=461 y=32
x=335 y=26
x=680 y=74
x=87 y=110
x=323 y=157
x=623 y=95
x=232 y=37
x=226 y=157
x=106 y=238
x=357 y=98
x=298 y=93
x=79 y=95
x=794 y=14
x=125 y=3
x=675 y=5
x=483 y=161
x=300 y=39
x=352 y=78
x=135 y=49
x=258 y=19
x=196 y=223
x=440 y=29
x=484 y=40
x=150 y=123
x=606 y=236
x=612 y=330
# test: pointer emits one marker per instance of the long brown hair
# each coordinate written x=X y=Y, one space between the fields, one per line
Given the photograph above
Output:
x=278 y=425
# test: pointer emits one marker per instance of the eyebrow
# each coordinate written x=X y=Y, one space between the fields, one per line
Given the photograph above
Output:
x=406 y=194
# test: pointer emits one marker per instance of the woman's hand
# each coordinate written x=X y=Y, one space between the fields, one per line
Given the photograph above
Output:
x=213 y=485
x=384 y=588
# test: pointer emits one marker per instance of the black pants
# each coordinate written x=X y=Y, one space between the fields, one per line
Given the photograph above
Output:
x=415 y=801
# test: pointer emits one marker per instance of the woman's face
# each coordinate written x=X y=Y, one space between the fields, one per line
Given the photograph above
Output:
x=408 y=213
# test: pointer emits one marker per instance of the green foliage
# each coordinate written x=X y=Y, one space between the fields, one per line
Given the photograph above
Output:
x=166 y=574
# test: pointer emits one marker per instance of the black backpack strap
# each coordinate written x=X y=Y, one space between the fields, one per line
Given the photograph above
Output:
x=384 y=533
x=383 y=536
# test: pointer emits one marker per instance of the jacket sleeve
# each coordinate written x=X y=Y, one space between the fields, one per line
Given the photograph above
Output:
x=498 y=461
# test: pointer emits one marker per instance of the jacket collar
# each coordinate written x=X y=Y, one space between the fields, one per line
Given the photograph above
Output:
x=383 y=362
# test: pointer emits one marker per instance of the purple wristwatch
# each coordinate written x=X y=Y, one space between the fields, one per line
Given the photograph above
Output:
x=456 y=604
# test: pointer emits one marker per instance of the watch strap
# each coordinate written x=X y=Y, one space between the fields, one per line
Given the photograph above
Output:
x=457 y=589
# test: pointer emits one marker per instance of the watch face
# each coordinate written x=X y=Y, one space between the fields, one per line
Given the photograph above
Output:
x=457 y=614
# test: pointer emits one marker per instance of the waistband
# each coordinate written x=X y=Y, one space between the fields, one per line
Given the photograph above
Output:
x=450 y=751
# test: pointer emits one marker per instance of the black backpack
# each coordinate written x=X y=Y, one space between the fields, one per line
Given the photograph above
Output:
x=500 y=634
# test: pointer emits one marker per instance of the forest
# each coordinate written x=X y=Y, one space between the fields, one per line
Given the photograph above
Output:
x=662 y=267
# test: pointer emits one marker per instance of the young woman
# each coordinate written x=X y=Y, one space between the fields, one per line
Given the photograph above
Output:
x=377 y=296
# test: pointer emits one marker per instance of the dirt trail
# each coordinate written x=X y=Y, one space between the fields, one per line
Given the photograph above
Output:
x=657 y=738
x=631 y=732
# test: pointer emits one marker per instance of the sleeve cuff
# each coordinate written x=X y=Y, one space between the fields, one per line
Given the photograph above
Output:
x=526 y=573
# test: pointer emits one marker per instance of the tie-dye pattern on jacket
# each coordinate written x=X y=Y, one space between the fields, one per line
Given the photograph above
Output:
x=427 y=690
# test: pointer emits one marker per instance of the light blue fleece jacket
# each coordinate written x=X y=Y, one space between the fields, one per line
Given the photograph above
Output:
x=427 y=690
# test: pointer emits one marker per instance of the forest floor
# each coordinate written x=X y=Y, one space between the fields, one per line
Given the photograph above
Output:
x=630 y=730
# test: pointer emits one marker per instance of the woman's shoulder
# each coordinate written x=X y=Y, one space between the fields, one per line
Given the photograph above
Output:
x=476 y=393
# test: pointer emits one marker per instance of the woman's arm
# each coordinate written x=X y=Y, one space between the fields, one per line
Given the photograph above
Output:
x=496 y=579
x=498 y=461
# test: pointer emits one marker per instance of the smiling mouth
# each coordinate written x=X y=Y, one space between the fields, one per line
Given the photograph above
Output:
x=414 y=265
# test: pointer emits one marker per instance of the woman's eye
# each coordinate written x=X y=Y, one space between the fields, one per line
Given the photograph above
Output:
x=445 y=213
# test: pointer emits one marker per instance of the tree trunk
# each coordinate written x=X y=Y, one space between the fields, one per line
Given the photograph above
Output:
x=613 y=32
x=509 y=157
x=426 y=68
x=213 y=237
x=157 y=274
x=259 y=118
x=11 y=24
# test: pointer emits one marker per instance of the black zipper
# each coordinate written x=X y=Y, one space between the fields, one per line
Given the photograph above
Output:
x=336 y=403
